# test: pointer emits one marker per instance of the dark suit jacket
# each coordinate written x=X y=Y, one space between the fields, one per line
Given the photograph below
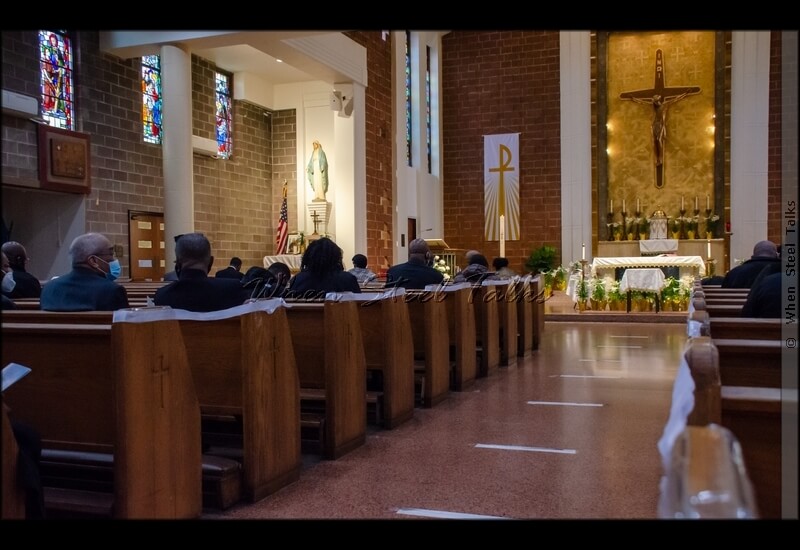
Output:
x=27 y=285
x=229 y=273
x=764 y=299
x=309 y=285
x=413 y=274
x=196 y=291
x=742 y=276
x=83 y=290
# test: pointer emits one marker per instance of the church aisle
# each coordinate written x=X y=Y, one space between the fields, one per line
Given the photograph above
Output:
x=584 y=448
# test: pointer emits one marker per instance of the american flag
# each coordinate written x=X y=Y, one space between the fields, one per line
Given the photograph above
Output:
x=282 y=237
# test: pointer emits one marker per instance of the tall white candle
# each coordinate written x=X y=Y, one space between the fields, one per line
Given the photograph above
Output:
x=637 y=206
x=502 y=236
x=583 y=251
x=695 y=202
x=623 y=205
x=682 y=205
x=611 y=207
x=708 y=202
x=708 y=250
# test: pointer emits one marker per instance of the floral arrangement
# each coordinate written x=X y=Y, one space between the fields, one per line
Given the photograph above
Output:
x=692 y=223
x=675 y=224
x=711 y=223
x=440 y=266
x=644 y=225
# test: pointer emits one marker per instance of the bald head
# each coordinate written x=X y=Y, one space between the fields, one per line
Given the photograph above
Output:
x=16 y=254
x=765 y=249
x=418 y=246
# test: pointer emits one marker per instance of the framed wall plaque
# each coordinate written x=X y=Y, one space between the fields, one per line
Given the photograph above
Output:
x=64 y=160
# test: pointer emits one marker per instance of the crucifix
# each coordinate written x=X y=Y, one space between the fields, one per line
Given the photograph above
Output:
x=660 y=97
x=315 y=217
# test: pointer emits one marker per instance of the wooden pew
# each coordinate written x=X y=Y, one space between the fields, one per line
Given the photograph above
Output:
x=428 y=317
x=525 y=306
x=507 y=317
x=462 y=333
x=706 y=477
x=749 y=362
x=537 y=291
x=13 y=493
x=124 y=389
x=487 y=328
x=753 y=414
x=328 y=349
x=389 y=348
x=745 y=328
x=244 y=366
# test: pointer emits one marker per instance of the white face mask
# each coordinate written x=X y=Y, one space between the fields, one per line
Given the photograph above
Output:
x=8 y=282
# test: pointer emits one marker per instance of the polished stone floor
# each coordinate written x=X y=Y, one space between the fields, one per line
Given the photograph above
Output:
x=569 y=432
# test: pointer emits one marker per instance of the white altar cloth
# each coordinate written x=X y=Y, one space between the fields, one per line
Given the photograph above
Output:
x=291 y=260
x=693 y=262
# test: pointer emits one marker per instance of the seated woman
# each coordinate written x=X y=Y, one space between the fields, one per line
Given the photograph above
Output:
x=476 y=272
x=322 y=271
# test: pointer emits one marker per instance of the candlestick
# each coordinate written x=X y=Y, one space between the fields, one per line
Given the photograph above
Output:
x=683 y=207
x=583 y=251
x=502 y=236
x=708 y=249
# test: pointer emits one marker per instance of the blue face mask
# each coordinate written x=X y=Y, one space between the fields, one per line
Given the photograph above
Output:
x=114 y=269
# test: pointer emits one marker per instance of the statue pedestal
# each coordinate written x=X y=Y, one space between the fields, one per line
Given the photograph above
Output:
x=320 y=212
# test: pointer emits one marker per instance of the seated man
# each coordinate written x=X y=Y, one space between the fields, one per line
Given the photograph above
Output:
x=743 y=276
x=765 y=297
x=233 y=271
x=195 y=290
x=27 y=286
x=90 y=285
x=417 y=271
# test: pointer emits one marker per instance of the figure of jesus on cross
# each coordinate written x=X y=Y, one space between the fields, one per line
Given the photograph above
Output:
x=660 y=97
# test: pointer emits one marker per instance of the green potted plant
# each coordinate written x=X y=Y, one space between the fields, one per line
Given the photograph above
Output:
x=582 y=293
x=616 y=299
x=598 y=290
x=542 y=259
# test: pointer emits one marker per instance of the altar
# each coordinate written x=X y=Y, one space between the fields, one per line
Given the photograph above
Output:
x=292 y=260
x=688 y=265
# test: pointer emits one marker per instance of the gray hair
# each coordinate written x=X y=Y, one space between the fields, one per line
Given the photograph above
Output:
x=89 y=244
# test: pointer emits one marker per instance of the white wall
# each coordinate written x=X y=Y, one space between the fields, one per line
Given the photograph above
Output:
x=749 y=141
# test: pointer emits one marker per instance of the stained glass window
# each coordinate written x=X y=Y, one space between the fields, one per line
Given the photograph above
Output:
x=224 y=116
x=55 y=64
x=428 y=103
x=151 y=98
x=408 y=97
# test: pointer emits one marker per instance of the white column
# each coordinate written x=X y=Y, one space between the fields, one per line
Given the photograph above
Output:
x=749 y=140
x=576 y=148
x=177 y=146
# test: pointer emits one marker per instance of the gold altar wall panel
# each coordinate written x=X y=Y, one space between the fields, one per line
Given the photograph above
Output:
x=688 y=60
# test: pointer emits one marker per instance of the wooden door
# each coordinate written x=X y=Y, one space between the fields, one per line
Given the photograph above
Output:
x=147 y=258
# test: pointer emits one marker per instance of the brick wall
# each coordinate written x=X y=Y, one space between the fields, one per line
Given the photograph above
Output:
x=774 y=171
x=497 y=83
x=233 y=197
x=380 y=202
x=284 y=167
x=20 y=74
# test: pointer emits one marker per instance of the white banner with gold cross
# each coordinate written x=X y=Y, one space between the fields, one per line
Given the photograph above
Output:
x=501 y=187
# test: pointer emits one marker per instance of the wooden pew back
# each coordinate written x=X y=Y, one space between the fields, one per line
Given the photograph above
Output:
x=428 y=318
x=326 y=338
x=244 y=365
x=124 y=389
